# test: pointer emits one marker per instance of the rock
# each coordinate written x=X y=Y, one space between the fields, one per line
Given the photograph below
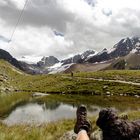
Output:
x=36 y=94
x=137 y=96
x=1 y=80
x=48 y=61
x=105 y=87
x=70 y=135
x=8 y=57
x=108 y=93
x=96 y=135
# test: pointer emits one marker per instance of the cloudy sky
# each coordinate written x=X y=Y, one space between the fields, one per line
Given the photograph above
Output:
x=66 y=27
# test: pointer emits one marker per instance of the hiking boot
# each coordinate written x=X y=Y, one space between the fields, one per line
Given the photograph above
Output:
x=82 y=123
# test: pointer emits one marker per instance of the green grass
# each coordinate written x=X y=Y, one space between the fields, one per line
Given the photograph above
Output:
x=53 y=131
x=13 y=85
x=59 y=83
x=125 y=75
x=43 y=132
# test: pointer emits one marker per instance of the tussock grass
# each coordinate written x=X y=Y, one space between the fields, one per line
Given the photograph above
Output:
x=51 y=131
x=134 y=115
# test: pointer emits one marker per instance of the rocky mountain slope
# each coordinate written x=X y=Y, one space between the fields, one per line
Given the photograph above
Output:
x=130 y=61
x=8 y=74
x=87 y=67
x=8 y=57
x=122 y=48
x=79 y=58
x=48 y=61
x=123 y=55
x=52 y=65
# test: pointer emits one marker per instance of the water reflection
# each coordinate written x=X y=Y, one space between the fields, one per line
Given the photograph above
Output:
x=50 y=105
x=34 y=113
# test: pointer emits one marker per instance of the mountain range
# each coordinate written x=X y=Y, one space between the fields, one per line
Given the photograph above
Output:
x=123 y=55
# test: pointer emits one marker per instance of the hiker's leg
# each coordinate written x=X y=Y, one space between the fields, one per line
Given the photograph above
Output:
x=82 y=125
x=82 y=135
x=81 y=122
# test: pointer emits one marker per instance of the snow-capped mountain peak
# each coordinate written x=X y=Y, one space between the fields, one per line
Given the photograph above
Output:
x=87 y=53
x=48 y=61
x=129 y=46
x=103 y=51
x=79 y=58
x=122 y=48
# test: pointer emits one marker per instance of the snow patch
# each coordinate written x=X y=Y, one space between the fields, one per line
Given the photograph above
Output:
x=124 y=40
x=56 y=65
x=59 y=67
x=102 y=62
x=137 y=44
x=133 y=51
x=103 y=51
x=111 y=50
x=87 y=53
x=91 y=55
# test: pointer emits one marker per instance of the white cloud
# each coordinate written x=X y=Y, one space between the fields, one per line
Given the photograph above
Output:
x=19 y=3
x=37 y=42
x=3 y=2
x=116 y=5
x=86 y=24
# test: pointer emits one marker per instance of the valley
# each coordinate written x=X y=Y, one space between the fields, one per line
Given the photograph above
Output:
x=123 y=55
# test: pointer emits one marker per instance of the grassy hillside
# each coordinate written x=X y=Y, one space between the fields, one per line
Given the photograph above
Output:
x=124 y=75
x=13 y=80
x=16 y=88
x=8 y=75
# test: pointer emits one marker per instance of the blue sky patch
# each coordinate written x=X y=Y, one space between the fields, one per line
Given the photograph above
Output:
x=4 y=39
x=58 y=34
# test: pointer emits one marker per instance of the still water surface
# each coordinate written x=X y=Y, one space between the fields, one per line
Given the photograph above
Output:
x=53 y=110
x=34 y=113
